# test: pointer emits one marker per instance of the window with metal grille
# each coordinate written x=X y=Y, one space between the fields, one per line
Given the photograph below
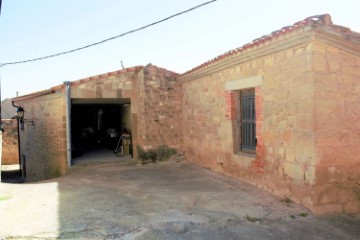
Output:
x=247 y=120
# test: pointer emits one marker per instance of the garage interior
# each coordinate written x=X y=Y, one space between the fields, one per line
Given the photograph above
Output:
x=101 y=126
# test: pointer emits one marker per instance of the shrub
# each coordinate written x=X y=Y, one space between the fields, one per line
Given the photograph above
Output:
x=151 y=155
x=161 y=153
x=164 y=153
x=140 y=153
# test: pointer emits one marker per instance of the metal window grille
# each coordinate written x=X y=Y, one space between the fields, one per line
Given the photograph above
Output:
x=248 y=123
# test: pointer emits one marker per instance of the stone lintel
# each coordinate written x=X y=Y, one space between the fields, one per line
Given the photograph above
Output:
x=243 y=83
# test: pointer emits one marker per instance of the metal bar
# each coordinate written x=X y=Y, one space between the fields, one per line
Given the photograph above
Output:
x=248 y=123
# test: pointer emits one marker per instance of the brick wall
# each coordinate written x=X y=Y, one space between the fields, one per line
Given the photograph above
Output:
x=10 y=152
x=43 y=137
x=161 y=106
x=337 y=128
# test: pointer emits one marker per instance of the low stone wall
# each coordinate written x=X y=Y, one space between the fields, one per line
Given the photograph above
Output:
x=10 y=148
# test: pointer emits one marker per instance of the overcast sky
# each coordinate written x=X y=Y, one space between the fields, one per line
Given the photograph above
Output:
x=30 y=29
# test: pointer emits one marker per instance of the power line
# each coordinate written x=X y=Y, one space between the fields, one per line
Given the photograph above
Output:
x=108 y=39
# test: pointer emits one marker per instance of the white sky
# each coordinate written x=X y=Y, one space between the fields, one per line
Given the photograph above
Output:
x=30 y=29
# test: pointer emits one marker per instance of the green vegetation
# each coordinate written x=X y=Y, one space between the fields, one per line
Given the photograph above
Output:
x=252 y=219
x=234 y=220
x=161 y=153
x=303 y=214
x=286 y=200
x=4 y=197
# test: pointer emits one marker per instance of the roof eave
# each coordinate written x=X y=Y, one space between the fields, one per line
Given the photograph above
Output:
x=283 y=42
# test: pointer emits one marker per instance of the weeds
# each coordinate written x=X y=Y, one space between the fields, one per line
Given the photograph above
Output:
x=252 y=219
x=161 y=153
x=4 y=197
x=286 y=200
x=164 y=153
x=234 y=220
x=303 y=214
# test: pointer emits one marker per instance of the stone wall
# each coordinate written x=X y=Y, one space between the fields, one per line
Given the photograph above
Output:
x=161 y=104
x=122 y=84
x=285 y=154
x=337 y=129
x=43 y=137
x=307 y=114
x=125 y=113
x=10 y=149
x=288 y=125
x=153 y=117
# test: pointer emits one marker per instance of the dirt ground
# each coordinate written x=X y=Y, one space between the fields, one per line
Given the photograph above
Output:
x=173 y=200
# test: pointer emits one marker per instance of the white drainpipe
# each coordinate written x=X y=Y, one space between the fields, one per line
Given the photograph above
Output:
x=68 y=122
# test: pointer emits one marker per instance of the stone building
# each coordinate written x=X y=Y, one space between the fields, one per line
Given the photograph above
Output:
x=142 y=100
x=7 y=109
x=10 y=148
x=10 y=152
x=281 y=112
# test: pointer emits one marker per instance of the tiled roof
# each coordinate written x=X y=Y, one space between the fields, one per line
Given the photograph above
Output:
x=88 y=79
x=34 y=94
x=77 y=82
x=324 y=19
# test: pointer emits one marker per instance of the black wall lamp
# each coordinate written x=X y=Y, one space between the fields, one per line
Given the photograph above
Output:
x=20 y=114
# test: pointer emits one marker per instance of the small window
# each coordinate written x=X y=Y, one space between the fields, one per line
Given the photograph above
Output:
x=247 y=121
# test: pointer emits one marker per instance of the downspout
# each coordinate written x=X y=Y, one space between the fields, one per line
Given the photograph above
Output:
x=68 y=122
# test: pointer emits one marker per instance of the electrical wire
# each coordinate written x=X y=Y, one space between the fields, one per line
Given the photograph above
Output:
x=109 y=39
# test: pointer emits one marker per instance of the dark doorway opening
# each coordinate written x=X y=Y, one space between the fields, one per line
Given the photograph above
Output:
x=11 y=174
x=96 y=127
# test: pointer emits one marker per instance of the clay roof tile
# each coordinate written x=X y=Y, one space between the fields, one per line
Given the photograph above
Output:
x=324 y=19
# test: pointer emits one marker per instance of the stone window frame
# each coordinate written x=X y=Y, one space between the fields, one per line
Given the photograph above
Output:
x=236 y=86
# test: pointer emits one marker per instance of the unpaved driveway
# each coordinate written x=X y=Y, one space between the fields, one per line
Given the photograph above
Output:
x=164 y=201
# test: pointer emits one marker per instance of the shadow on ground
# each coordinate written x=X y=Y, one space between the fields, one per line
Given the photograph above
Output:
x=173 y=200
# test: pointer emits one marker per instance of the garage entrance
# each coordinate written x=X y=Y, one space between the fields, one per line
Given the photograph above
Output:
x=100 y=126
